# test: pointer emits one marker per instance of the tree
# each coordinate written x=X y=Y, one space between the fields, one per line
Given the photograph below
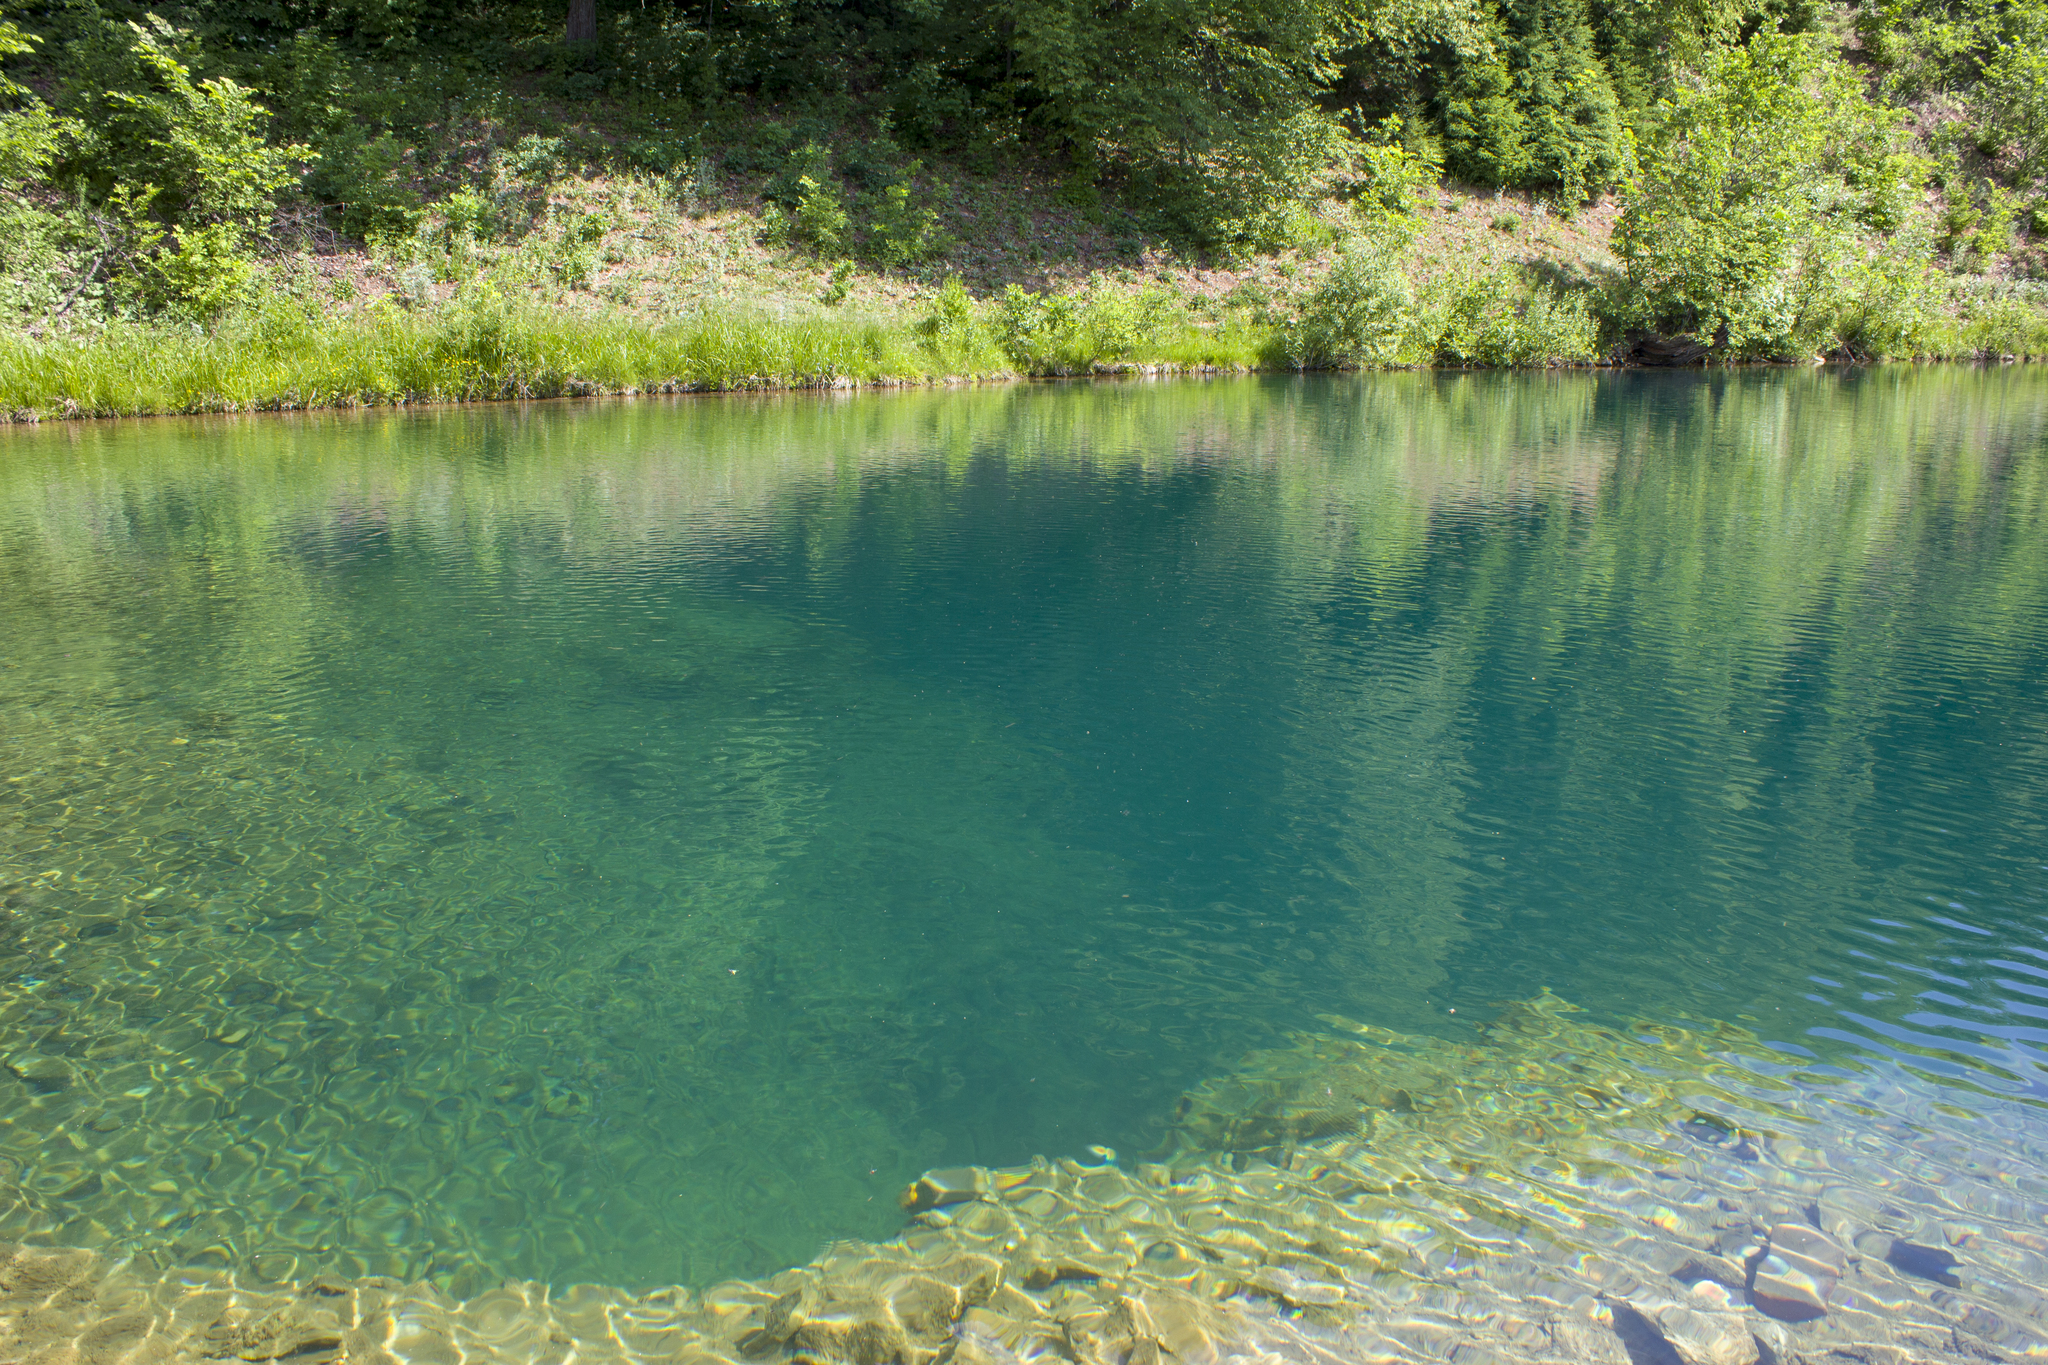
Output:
x=582 y=26
x=1755 y=191
x=1210 y=107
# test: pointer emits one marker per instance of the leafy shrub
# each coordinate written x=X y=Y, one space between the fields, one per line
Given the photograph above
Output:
x=1063 y=334
x=1249 y=191
x=2012 y=101
x=364 y=178
x=952 y=316
x=1358 y=315
x=413 y=286
x=206 y=270
x=899 y=232
x=1752 y=193
x=466 y=216
x=199 y=144
x=532 y=163
x=173 y=177
x=821 y=221
x=1384 y=179
x=1503 y=315
x=841 y=283
x=659 y=56
x=578 y=248
x=1888 y=305
x=806 y=162
x=2000 y=319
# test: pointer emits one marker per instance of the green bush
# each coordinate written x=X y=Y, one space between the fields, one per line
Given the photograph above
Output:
x=364 y=178
x=1888 y=305
x=898 y=231
x=1357 y=317
x=1502 y=316
x=2012 y=101
x=1064 y=334
x=198 y=144
x=202 y=272
x=1753 y=194
x=1997 y=318
x=821 y=221
x=841 y=284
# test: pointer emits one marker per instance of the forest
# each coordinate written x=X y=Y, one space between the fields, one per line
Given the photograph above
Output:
x=295 y=202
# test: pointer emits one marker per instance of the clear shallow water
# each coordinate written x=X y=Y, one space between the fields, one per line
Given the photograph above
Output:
x=627 y=842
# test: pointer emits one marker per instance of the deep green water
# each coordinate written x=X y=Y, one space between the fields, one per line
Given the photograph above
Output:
x=627 y=842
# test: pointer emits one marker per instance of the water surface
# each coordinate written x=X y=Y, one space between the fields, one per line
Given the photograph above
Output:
x=625 y=842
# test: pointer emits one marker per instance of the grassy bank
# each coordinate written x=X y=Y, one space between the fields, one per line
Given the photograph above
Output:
x=481 y=346
x=455 y=354
x=289 y=353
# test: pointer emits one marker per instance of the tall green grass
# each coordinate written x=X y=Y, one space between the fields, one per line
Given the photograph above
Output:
x=278 y=357
x=280 y=353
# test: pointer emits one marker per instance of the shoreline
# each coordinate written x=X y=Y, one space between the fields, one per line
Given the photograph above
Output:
x=572 y=390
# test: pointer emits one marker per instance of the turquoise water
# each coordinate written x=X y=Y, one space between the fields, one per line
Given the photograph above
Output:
x=627 y=842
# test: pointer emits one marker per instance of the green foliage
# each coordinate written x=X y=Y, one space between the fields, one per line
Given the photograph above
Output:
x=153 y=167
x=1885 y=305
x=842 y=282
x=1755 y=189
x=1500 y=316
x=199 y=144
x=2013 y=98
x=1385 y=179
x=366 y=179
x=1357 y=317
x=883 y=223
x=953 y=317
x=1990 y=319
x=1535 y=108
x=203 y=271
x=1067 y=334
x=901 y=232
x=1208 y=110
x=31 y=134
x=278 y=353
x=1485 y=135
x=821 y=221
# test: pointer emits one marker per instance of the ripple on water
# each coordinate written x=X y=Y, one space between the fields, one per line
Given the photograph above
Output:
x=630 y=858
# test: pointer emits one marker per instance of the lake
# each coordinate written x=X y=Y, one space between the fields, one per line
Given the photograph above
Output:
x=627 y=842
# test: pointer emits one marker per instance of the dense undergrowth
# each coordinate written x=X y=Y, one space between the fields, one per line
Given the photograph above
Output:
x=214 y=204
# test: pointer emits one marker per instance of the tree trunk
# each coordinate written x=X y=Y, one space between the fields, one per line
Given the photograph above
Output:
x=582 y=21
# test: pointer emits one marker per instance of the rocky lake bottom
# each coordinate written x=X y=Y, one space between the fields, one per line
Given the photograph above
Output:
x=1554 y=1191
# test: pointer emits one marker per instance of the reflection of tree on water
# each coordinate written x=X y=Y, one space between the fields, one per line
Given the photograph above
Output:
x=459 y=937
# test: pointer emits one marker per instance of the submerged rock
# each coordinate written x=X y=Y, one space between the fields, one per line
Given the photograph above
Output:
x=936 y=1189
x=1796 y=1272
x=1552 y=1193
x=42 y=1073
